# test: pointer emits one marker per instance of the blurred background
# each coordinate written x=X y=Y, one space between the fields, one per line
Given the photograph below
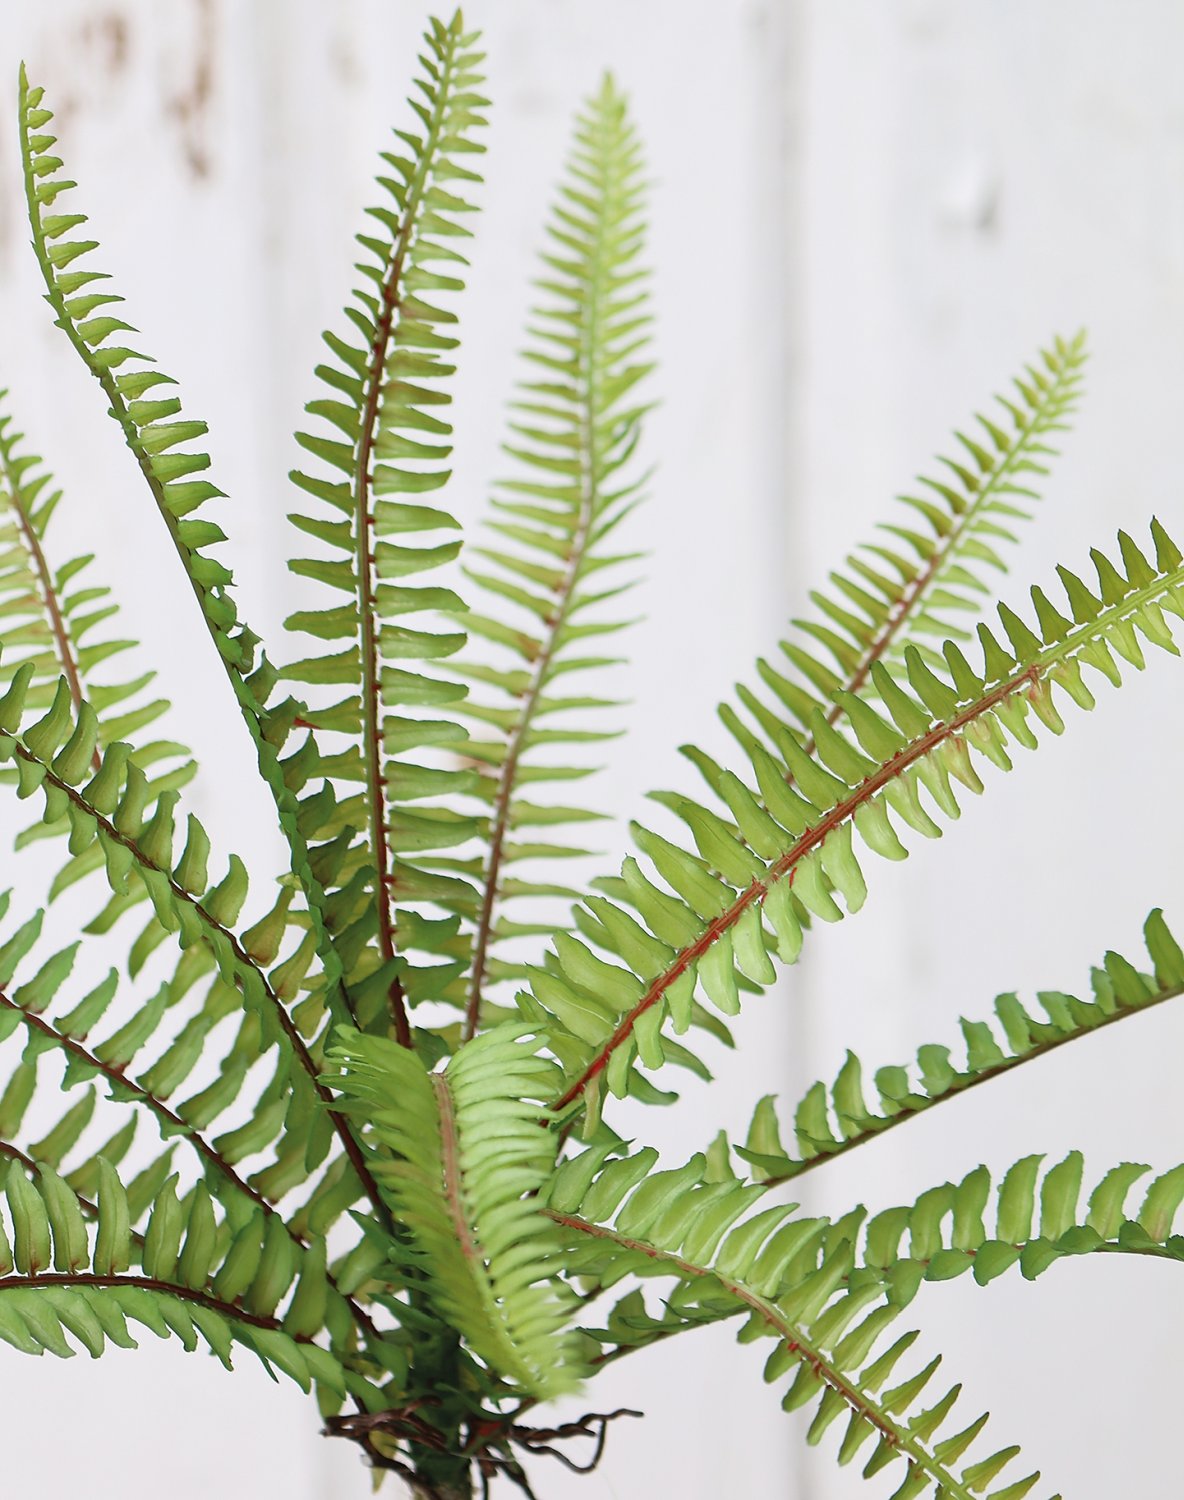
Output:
x=867 y=214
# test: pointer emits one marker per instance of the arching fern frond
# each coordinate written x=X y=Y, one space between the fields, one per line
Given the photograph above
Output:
x=790 y=848
x=461 y=1159
x=189 y=1276
x=110 y=809
x=795 y=1280
x=830 y=1122
x=926 y=585
x=1037 y=1219
x=577 y=422
x=162 y=439
x=388 y=389
x=50 y=614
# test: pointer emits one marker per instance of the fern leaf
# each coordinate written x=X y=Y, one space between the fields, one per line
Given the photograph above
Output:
x=161 y=440
x=796 y=1280
x=111 y=812
x=57 y=622
x=576 y=427
x=775 y=854
x=828 y=1123
x=927 y=585
x=189 y=1276
x=1038 y=1218
x=387 y=391
x=462 y=1158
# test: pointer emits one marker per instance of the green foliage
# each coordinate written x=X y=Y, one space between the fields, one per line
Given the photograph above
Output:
x=361 y=1098
x=463 y=1159
x=577 y=424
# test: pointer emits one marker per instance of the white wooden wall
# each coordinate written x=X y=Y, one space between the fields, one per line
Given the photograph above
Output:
x=866 y=214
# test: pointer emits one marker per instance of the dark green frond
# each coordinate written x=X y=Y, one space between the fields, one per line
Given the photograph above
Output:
x=383 y=449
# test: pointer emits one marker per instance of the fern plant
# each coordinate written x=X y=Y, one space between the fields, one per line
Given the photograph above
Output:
x=381 y=1087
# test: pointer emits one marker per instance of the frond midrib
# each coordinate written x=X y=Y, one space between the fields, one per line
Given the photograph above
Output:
x=372 y=715
x=797 y=1342
x=590 y=465
x=813 y=837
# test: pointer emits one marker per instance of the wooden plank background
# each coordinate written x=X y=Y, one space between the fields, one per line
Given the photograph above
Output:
x=867 y=214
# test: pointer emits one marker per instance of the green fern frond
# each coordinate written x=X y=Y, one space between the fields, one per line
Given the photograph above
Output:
x=49 y=616
x=831 y=1122
x=388 y=390
x=790 y=849
x=67 y=1281
x=927 y=585
x=110 y=810
x=1038 y=1219
x=461 y=1160
x=577 y=423
x=162 y=439
x=796 y=1280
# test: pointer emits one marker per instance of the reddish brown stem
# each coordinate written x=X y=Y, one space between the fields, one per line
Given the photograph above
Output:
x=783 y=868
x=148 y=1284
x=372 y=747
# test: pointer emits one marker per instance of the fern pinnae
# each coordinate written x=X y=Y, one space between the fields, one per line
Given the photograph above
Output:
x=55 y=606
x=104 y=817
x=728 y=884
x=183 y=1284
x=572 y=438
x=15 y=503
x=830 y=1123
x=936 y=589
x=462 y=1160
x=158 y=445
x=799 y=1281
x=390 y=420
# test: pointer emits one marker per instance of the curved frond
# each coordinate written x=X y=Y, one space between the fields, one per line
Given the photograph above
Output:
x=797 y=1281
x=777 y=854
x=110 y=810
x=926 y=584
x=461 y=1160
x=577 y=423
x=830 y=1122
x=51 y=614
x=72 y=1278
x=162 y=441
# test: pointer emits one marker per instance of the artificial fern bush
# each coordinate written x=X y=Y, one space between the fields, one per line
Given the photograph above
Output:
x=383 y=1087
